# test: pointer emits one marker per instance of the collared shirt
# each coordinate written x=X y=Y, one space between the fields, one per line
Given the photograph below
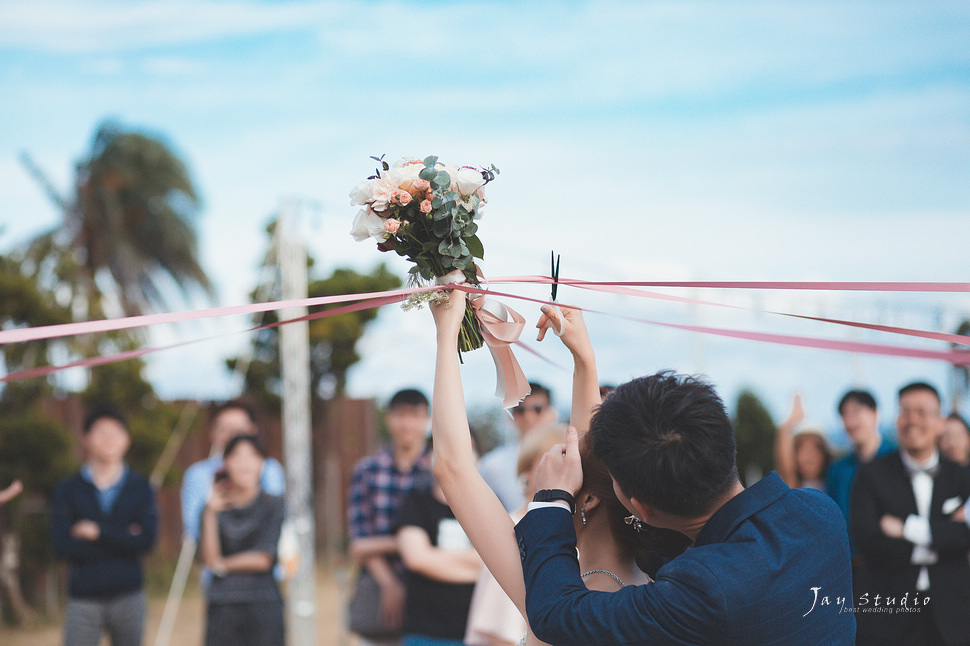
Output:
x=378 y=489
x=916 y=527
x=108 y=495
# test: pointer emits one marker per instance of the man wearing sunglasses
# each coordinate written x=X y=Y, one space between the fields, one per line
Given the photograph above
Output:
x=498 y=466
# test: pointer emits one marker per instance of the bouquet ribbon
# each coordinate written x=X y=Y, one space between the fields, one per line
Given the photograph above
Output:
x=500 y=326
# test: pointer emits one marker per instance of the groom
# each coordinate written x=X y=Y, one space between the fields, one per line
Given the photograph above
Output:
x=769 y=564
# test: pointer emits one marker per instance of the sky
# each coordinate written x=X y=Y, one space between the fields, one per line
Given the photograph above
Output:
x=640 y=140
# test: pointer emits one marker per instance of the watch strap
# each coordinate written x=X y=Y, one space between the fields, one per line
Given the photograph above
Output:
x=546 y=495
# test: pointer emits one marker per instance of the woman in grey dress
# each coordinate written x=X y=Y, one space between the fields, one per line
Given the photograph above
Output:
x=240 y=530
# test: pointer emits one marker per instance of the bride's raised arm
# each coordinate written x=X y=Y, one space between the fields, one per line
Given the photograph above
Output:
x=586 y=389
x=476 y=507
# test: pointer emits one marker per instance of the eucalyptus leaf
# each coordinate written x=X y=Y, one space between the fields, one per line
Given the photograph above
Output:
x=475 y=246
x=441 y=228
x=431 y=160
x=427 y=174
x=441 y=180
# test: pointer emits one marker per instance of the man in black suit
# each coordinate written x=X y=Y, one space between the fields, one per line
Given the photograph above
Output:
x=918 y=586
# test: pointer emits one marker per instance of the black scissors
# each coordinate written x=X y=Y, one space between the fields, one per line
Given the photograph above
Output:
x=554 y=274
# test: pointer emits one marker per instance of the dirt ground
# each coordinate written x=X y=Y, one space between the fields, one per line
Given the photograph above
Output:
x=189 y=626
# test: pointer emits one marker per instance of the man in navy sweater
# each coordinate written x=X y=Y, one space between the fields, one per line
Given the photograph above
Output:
x=103 y=518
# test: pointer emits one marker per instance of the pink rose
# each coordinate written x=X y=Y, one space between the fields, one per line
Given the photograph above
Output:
x=404 y=198
x=421 y=184
x=426 y=206
x=391 y=225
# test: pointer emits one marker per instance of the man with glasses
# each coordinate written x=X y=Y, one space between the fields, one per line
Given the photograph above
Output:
x=907 y=526
x=498 y=466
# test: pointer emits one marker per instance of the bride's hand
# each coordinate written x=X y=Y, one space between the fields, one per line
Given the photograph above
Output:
x=448 y=318
x=572 y=331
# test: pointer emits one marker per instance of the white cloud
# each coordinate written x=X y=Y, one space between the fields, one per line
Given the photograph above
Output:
x=118 y=25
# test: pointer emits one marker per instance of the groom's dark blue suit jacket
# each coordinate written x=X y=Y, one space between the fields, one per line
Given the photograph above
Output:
x=748 y=579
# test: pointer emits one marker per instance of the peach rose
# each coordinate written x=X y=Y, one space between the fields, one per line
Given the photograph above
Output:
x=391 y=225
x=426 y=206
x=404 y=198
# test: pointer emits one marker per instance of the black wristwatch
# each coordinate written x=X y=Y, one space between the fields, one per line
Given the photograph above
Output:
x=547 y=495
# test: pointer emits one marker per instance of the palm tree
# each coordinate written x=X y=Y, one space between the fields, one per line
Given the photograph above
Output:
x=128 y=228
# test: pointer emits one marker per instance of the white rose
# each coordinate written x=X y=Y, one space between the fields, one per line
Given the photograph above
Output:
x=468 y=180
x=368 y=224
x=363 y=193
x=399 y=176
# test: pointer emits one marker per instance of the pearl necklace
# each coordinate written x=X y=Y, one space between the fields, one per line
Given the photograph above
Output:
x=607 y=573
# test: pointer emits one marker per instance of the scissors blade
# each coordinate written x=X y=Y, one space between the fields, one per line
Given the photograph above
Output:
x=554 y=272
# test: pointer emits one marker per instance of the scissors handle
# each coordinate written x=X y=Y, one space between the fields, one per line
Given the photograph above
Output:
x=559 y=329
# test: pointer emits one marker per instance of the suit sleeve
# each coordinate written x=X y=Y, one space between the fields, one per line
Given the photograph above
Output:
x=562 y=611
x=867 y=511
x=950 y=537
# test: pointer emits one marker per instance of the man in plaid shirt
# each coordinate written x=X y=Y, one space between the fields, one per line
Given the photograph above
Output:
x=379 y=486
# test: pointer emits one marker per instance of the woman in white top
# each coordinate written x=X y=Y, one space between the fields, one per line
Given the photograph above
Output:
x=608 y=548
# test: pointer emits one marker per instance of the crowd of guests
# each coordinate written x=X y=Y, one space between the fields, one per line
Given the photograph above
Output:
x=104 y=519
x=421 y=581
x=435 y=591
x=905 y=503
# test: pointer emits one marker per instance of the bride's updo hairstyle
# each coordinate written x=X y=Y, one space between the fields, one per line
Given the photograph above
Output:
x=643 y=544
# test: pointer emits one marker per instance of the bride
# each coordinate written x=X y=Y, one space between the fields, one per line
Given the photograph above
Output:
x=608 y=547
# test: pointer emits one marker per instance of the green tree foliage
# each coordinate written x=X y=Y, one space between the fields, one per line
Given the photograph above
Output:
x=129 y=226
x=23 y=302
x=754 y=433
x=333 y=340
x=127 y=239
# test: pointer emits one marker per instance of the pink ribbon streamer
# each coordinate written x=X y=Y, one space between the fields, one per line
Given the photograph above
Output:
x=377 y=299
x=20 y=335
x=849 y=286
x=92 y=362
x=500 y=327
x=954 y=357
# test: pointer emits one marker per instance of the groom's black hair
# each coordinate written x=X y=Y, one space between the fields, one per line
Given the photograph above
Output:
x=667 y=441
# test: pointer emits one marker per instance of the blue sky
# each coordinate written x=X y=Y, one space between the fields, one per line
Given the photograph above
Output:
x=641 y=140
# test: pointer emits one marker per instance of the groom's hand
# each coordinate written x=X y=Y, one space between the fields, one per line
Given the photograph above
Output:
x=560 y=467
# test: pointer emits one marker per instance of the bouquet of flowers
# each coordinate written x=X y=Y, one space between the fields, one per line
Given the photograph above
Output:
x=427 y=212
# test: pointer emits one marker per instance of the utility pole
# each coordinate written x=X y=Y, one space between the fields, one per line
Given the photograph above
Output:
x=295 y=367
